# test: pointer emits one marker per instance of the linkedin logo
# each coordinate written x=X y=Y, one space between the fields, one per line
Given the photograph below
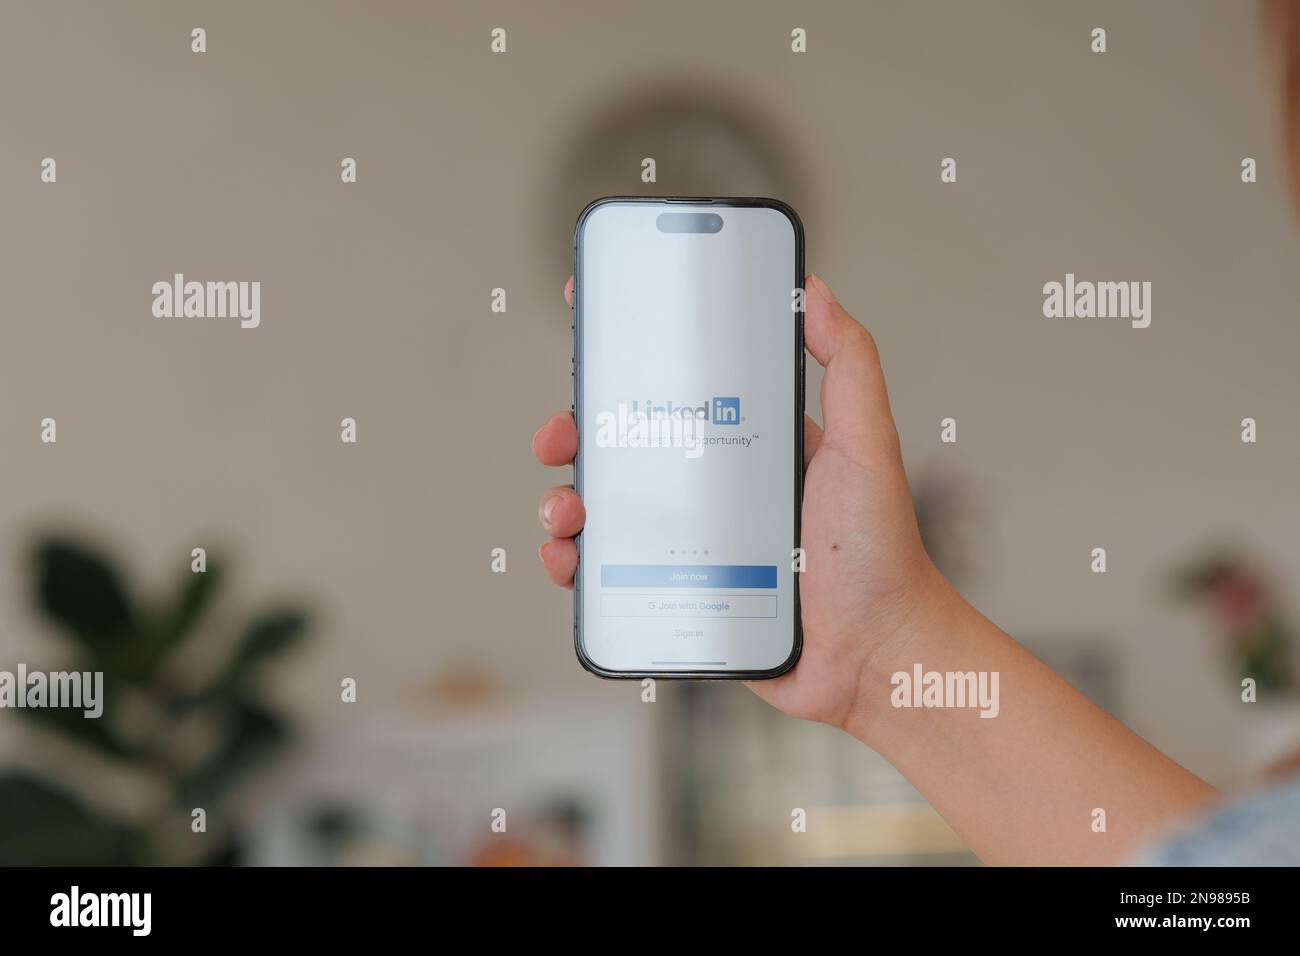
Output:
x=726 y=410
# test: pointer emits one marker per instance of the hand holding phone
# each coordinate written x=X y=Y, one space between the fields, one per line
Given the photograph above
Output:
x=867 y=576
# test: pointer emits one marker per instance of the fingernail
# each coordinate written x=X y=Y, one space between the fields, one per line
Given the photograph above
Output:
x=823 y=290
x=548 y=506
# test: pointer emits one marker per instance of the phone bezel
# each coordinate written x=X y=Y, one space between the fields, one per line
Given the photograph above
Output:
x=800 y=367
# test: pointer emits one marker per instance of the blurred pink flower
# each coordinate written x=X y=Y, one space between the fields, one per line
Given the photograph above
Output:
x=1237 y=602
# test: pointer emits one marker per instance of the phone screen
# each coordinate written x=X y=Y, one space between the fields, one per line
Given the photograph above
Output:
x=688 y=352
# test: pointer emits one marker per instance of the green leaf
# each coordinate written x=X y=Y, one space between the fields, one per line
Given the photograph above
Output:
x=196 y=594
x=230 y=852
x=95 y=733
x=82 y=592
x=268 y=635
x=170 y=630
x=252 y=733
x=43 y=825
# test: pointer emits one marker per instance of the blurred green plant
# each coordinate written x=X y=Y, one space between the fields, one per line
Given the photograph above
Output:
x=1250 y=620
x=193 y=732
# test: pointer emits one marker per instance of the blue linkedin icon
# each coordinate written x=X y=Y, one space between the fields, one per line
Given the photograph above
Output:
x=726 y=410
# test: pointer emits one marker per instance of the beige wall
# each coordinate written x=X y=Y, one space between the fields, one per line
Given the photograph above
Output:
x=375 y=302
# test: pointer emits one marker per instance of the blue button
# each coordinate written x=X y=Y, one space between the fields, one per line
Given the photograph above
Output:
x=688 y=575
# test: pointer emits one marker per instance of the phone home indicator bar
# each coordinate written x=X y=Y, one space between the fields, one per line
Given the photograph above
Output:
x=688 y=575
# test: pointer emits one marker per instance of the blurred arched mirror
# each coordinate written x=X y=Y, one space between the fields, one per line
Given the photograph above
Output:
x=704 y=141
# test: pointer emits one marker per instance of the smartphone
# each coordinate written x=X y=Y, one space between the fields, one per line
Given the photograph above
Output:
x=688 y=392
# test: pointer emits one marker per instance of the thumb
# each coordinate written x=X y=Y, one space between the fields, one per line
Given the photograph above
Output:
x=855 y=404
